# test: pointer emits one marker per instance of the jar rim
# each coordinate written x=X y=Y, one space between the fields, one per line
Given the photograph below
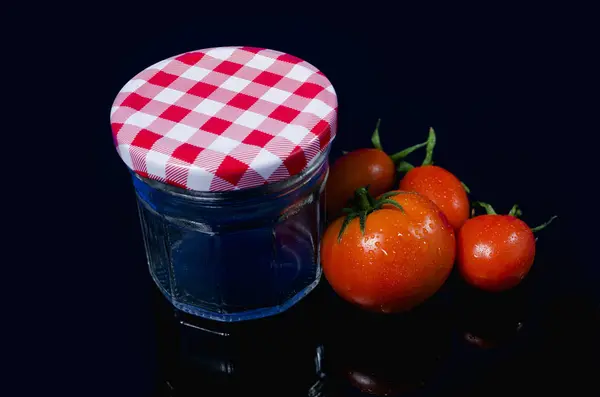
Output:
x=267 y=189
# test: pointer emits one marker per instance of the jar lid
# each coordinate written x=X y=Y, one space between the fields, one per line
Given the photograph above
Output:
x=224 y=118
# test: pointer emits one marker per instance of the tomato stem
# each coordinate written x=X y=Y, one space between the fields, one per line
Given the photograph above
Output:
x=396 y=157
x=404 y=166
x=431 y=140
x=347 y=221
x=543 y=225
x=383 y=202
x=488 y=208
x=515 y=211
x=466 y=188
x=363 y=199
x=375 y=137
x=363 y=205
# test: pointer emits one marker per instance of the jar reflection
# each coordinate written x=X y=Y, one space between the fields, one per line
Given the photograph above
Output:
x=279 y=355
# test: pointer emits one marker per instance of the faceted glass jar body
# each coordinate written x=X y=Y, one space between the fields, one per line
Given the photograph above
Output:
x=236 y=255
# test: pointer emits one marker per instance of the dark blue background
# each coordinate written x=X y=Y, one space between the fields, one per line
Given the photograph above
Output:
x=503 y=93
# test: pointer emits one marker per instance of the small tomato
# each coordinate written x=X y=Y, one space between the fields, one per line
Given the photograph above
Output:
x=496 y=252
x=356 y=169
x=439 y=185
x=362 y=167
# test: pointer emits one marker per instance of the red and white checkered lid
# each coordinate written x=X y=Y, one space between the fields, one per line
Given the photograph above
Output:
x=224 y=118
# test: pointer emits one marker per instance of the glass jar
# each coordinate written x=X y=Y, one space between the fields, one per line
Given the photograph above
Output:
x=237 y=255
x=228 y=150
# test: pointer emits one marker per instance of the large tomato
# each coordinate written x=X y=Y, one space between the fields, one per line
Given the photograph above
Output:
x=496 y=252
x=390 y=254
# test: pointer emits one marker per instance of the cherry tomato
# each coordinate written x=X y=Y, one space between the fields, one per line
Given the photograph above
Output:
x=362 y=167
x=390 y=254
x=354 y=170
x=439 y=185
x=496 y=252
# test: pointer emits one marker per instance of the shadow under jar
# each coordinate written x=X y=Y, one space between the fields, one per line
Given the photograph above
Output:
x=228 y=149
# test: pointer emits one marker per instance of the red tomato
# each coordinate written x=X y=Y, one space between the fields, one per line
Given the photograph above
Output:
x=400 y=258
x=441 y=187
x=495 y=252
x=363 y=167
x=354 y=170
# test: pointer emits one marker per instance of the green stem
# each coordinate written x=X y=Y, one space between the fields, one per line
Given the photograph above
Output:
x=488 y=208
x=347 y=221
x=396 y=157
x=543 y=225
x=361 y=197
x=375 y=137
x=383 y=202
x=363 y=205
x=466 y=188
x=404 y=167
x=515 y=211
x=431 y=139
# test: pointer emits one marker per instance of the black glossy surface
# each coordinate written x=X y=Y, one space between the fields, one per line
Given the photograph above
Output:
x=461 y=342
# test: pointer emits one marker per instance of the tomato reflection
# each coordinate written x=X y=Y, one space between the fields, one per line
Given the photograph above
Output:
x=387 y=355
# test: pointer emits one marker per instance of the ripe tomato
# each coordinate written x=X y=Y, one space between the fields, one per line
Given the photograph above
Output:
x=439 y=185
x=390 y=259
x=359 y=168
x=356 y=169
x=496 y=252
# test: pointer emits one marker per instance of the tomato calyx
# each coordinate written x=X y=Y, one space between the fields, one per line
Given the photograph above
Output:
x=514 y=211
x=543 y=225
x=397 y=158
x=487 y=207
x=431 y=141
x=363 y=205
x=429 y=145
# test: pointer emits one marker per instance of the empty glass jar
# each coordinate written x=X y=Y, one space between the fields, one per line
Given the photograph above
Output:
x=228 y=150
x=235 y=255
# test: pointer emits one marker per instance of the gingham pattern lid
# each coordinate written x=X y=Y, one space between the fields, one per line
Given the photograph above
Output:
x=224 y=118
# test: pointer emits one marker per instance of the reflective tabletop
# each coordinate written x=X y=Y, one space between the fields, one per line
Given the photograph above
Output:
x=461 y=342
